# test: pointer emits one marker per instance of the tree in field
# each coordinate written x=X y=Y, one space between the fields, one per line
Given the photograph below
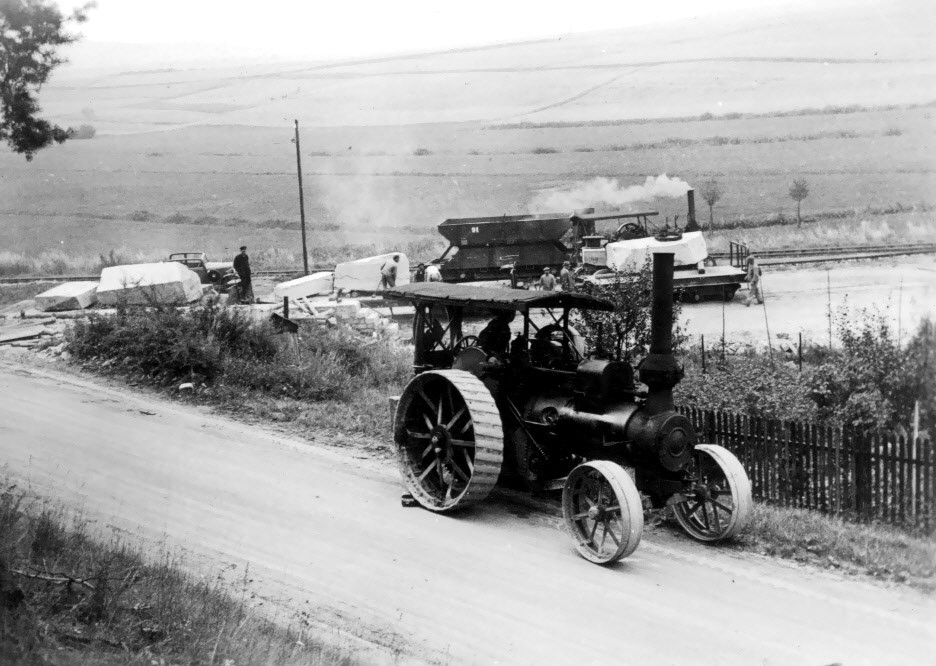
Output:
x=31 y=32
x=712 y=193
x=799 y=190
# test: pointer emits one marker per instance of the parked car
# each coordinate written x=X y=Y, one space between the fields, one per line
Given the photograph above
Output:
x=221 y=274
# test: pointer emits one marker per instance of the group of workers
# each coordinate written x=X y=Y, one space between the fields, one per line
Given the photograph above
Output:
x=431 y=273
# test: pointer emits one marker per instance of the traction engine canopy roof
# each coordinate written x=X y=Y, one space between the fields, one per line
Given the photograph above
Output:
x=495 y=298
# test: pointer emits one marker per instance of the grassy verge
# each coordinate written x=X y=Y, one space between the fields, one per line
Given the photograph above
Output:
x=66 y=598
x=880 y=551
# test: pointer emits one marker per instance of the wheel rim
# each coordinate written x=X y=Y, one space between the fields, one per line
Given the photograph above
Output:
x=449 y=439
x=718 y=501
x=466 y=342
x=602 y=511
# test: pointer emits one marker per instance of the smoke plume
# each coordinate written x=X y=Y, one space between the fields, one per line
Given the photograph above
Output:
x=606 y=194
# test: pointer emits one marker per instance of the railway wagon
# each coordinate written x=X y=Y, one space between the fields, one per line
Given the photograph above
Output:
x=481 y=248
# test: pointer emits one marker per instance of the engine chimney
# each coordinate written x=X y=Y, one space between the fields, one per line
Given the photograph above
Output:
x=659 y=370
x=690 y=195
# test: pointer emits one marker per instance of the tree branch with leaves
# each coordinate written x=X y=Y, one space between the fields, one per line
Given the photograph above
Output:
x=31 y=33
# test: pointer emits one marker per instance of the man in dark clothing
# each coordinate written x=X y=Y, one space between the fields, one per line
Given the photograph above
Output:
x=565 y=277
x=495 y=337
x=242 y=268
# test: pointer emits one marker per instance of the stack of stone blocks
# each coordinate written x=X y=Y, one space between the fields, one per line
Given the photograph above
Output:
x=364 y=321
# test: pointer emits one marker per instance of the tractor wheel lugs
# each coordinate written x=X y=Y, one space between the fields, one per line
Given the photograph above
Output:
x=449 y=439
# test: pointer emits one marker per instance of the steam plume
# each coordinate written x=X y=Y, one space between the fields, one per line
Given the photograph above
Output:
x=606 y=194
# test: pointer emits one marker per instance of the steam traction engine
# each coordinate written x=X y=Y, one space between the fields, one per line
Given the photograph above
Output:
x=546 y=415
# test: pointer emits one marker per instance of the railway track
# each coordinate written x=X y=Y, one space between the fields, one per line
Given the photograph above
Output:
x=842 y=253
x=778 y=257
x=93 y=278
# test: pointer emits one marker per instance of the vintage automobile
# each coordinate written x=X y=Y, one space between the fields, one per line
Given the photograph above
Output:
x=218 y=273
x=540 y=413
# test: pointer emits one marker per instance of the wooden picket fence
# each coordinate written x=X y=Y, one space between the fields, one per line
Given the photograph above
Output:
x=889 y=478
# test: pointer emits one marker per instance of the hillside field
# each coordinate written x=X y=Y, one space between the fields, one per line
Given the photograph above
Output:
x=202 y=158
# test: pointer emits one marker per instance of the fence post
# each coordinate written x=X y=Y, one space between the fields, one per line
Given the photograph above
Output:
x=862 y=458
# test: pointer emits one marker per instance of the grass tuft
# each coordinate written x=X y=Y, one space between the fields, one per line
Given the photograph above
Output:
x=67 y=598
x=877 y=550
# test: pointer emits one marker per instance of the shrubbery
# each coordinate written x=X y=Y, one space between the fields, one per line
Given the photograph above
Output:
x=232 y=351
x=870 y=381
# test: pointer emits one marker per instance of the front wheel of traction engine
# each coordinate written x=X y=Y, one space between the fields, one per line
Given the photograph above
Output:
x=449 y=439
x=602 y=511
x=718 y=504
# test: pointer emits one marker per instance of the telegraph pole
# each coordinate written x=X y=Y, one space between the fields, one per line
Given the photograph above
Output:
x=305 y=254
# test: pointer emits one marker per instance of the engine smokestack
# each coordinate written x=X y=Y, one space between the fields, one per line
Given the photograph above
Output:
x=661 y=435
x=690 y=195
x=659 y=370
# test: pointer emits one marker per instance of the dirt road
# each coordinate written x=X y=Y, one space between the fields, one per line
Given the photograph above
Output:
x=324 y=532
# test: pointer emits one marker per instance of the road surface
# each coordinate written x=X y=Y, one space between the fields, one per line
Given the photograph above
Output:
x=324 y=532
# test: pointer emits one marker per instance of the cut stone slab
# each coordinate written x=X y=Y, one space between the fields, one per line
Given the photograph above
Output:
x=21 y=333
x=363 y=275
x=629 y=255
x=317 y=284
x=165 y=283
x=68 y=296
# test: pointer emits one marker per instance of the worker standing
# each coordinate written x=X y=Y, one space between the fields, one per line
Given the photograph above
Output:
x=753 y=277
x=565 y=277
x=242 y=268
x=420 y=274
x=433 y=274
x=388 y=273
x=547 y=281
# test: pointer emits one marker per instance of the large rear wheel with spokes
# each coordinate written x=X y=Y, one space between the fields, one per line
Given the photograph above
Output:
x=718 y=503
x=449 y=439
x=602 y=511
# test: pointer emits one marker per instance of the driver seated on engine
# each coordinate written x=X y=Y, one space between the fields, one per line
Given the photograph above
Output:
x=547 y=352
x=494 y=338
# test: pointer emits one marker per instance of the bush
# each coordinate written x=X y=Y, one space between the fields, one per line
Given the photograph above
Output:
x=83 y=132
x=544 y=151
x=870 y=382
x=142 y=216
x=873 y=381
x=747 y=383
x=421 y=152
x=234 y=352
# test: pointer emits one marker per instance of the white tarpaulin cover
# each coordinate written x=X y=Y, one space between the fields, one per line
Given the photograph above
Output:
x=168 y=282
x=631 y=254
x=317 y=284
x=68 y=296
x=364 y=274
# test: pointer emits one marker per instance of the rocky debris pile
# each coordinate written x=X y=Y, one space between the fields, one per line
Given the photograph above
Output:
x=349 y=313
x=30 y=332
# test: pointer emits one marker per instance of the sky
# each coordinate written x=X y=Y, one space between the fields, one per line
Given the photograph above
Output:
x=331 y=29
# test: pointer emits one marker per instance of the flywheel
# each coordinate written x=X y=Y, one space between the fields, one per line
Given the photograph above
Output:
x=449 y=439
